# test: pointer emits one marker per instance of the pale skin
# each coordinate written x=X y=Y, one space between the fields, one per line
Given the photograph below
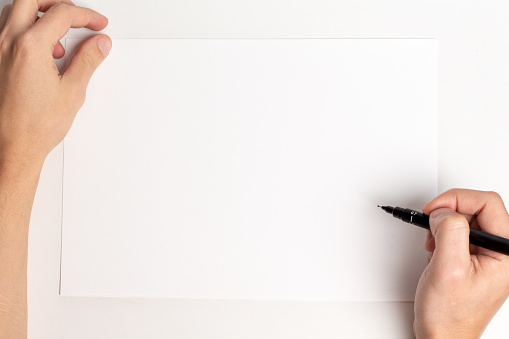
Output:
x=463 y=286
x=458 y=294
x=37 y=108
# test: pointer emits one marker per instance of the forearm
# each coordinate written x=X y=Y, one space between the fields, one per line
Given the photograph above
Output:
x=37 y=107
x=18 y=184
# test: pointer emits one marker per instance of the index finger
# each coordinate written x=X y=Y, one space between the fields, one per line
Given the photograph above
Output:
x=489 y=208
x=53 y=25
x=24 y=12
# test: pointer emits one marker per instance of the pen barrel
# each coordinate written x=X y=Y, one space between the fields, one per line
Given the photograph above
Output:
x=489 y=241
x=412 y=217
x=477 y=237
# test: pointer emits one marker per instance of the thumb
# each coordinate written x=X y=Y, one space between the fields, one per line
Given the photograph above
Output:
x=86 y=60
x=451 y=232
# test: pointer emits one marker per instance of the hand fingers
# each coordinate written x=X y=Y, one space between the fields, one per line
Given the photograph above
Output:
x=53 y=25
x=24 y=12
x=86 y=60
x=429 y=243
x=430 y=255
x=451 y=232
x=489 y=208
x=5 y=14
x=59 y=51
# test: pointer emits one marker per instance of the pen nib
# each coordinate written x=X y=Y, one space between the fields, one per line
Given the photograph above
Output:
x=387 y=209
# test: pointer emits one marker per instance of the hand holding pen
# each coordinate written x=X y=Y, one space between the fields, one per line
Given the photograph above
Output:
x=463 y=285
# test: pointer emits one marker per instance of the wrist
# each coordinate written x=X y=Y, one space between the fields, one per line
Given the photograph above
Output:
x=20 y=163
x=19 y=176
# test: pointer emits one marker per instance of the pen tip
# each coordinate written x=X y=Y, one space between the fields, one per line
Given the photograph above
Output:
x=378 y=206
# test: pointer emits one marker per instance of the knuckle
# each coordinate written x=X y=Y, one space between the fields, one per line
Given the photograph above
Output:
x=25 y=42
x=88 y=60
x=495 y=196
x=59 y=6
x=453 y=192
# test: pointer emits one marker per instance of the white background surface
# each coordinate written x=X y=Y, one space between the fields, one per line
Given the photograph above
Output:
x=473 y=107
x=240 y=169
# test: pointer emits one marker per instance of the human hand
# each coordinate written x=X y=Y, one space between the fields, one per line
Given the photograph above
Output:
x=463 y=285
x=37 y=104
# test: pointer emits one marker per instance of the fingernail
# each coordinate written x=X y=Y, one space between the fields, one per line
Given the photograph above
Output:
x=104 y=45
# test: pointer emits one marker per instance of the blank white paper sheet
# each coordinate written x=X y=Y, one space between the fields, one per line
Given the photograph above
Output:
x=251 y=169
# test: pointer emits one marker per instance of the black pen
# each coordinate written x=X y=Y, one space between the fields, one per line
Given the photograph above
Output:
x=478 y=238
